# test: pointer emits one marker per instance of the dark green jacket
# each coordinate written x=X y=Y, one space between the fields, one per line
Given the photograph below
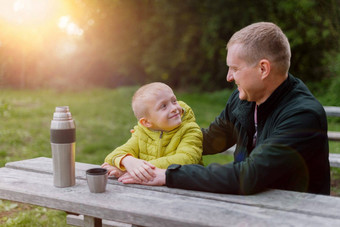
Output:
x=291 y=151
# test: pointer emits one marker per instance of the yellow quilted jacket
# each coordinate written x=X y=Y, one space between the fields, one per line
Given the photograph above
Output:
x=182 y=145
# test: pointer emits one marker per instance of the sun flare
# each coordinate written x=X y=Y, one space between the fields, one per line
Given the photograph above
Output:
x=69 y=27
x=27 y=12
x=29 y=24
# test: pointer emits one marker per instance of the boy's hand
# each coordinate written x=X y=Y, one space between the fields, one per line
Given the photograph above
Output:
x=112 y=171
x=158 y=180
x=139 y=169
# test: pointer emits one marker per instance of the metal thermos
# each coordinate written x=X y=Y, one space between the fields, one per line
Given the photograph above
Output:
x=63 y=144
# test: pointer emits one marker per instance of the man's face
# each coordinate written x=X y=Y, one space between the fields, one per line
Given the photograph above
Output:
x=246 y=77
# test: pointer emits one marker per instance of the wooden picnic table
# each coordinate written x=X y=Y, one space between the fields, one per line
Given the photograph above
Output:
x=31 y=181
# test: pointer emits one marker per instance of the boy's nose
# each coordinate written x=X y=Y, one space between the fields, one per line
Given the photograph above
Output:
x=173 y=108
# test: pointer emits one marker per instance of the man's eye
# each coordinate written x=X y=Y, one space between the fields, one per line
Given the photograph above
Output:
x=232 y=69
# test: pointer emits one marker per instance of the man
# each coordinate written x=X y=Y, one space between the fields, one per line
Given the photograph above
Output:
x=279 y=128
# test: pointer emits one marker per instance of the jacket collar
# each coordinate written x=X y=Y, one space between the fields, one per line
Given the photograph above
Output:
x=246 y=109
x=187 y=116
x=275 y=98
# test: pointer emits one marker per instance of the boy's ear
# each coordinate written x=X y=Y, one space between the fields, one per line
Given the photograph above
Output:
x=145 y=122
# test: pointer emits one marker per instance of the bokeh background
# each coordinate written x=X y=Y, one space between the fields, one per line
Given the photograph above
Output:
x=68 y=44
x=93 y=54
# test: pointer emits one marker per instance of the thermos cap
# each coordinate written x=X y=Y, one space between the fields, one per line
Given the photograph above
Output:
x=62 y=119
x=62 y=109
x=62 y=113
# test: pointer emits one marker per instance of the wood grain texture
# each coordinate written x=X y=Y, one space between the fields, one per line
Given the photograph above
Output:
x=31 y=181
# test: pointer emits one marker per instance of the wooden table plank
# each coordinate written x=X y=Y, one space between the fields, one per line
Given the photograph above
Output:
x=310 y=204
x=144 y=207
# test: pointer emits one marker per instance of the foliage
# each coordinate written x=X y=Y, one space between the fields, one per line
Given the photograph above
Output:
x=333 y=94
x=312 y=28
x=181 y=42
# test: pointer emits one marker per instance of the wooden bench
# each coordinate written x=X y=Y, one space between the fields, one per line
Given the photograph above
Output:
x=31 y=181
x=78 y=220
x=333 y=111
x=333 y=136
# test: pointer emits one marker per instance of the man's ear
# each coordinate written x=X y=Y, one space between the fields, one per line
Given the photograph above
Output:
x=265 y=68
x=143 y=121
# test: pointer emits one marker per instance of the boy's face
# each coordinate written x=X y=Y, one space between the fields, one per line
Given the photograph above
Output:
x=164 y=112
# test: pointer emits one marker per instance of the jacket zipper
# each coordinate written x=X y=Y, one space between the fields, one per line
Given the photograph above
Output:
x=160 y=144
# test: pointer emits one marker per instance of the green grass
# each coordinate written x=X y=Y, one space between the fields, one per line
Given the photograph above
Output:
x=16 y=214
x=103 y=121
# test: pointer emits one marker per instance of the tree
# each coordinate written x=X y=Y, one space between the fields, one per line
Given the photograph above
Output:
x=180 y=42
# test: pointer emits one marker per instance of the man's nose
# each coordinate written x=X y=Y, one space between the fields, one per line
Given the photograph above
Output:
x=230 y=77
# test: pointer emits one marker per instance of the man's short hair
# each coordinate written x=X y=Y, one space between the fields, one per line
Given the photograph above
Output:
x=263 y=40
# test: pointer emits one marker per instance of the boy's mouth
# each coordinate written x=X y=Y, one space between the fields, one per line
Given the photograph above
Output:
x=175 y=115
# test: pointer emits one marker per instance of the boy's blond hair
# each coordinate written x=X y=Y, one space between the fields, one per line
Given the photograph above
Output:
x=144 y=93
x=263 y=40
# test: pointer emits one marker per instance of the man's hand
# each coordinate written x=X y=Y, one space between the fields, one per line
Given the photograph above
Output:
x=112 y=171
x=158 y=180
x=138 y=169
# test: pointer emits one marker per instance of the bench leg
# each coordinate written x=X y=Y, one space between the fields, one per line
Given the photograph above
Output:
x=78 y=220
x=92 y=221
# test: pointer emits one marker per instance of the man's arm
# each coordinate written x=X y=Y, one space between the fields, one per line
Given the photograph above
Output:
x=280 y=161
x=219 y=136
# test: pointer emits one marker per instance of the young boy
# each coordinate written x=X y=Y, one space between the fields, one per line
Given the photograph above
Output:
x=166 y=134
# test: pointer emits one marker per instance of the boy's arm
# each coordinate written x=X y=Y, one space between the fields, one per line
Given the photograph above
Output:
x=129 y=148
